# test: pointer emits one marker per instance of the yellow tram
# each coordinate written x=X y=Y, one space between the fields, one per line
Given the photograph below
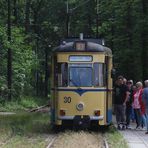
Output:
x=81 y=83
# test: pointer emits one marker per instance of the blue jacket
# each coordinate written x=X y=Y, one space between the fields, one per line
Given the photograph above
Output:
x=145 y=96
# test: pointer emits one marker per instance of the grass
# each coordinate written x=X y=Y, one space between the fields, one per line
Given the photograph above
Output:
x=115 y=139
x=31 y=130
x=26 y=142
x=24 y=130
x=21 y=123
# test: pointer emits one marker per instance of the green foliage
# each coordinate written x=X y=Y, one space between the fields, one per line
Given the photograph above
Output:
x=28 y=103
x=11 y=106
x=123 y=27
x=115 y=139
x=123 y=24
x=22 y=104
x=23 y=62
x=32 y=102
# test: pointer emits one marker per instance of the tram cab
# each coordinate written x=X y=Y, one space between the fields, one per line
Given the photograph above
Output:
x=81 y=83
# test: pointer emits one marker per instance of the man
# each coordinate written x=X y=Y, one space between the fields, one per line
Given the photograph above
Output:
x=145 y=99
x=129 y=104
x=121 y=96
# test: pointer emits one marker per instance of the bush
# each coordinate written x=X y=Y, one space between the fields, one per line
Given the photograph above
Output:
x=22 y=104
x=28 y=103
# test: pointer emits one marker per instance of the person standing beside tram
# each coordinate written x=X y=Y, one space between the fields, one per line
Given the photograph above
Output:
x=145 y=100
x=121 y=94
x=129 y=104
x=137 y=98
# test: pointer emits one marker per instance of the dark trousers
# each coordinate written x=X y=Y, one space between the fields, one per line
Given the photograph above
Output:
x=120 y=113
x=137 y=116
x=128 y=114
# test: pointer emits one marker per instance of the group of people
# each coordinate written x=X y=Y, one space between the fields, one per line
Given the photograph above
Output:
x=131 y=102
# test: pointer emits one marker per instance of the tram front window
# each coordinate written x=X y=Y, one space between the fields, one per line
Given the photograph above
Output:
x=81 y=76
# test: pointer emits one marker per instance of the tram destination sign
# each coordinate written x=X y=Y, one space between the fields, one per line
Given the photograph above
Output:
x=80 y=58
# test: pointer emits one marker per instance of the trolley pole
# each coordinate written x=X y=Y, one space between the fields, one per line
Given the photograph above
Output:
x=97 y=19
x=9 y=62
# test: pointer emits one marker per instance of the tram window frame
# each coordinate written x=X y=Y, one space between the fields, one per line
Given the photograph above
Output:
x=105 y=74
x=99 y=83
x=62 y=74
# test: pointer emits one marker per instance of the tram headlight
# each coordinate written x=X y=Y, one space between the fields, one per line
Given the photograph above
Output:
x=97 y=112
x=62 y=112
x=80 y=106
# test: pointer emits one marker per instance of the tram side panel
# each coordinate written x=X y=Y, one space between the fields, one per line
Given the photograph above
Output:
x=109 y=92
x=108 y=97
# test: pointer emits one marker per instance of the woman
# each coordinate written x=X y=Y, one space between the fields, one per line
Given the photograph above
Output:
x=137 y=98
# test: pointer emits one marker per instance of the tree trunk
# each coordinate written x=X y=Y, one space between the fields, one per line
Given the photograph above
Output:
x=89 y=31
x=46 y=72
x=37 y=72
x=9 y=64
x=97 y=19
x=144 y=38
x=129 y=27
x=27 y=15
x=15 y=12
x=112 y=40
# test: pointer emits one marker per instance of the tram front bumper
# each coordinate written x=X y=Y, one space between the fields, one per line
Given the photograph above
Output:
x=82 y=121
x=72 y=117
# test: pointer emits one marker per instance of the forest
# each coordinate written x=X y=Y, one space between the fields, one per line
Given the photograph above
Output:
x=30 y=29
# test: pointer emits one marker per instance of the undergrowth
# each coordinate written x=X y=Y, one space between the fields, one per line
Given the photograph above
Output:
x=22 y=104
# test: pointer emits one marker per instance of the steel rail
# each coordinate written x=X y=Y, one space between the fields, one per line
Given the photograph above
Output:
x=51 y=141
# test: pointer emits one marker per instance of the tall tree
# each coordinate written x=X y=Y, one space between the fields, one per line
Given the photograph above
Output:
x=9 y=65
x=15 y=12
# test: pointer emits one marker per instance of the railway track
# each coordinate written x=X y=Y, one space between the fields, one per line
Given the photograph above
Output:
x=83 y=139
x=105 y=143
x=7 y=140
x=71 y=139
x=51 y=140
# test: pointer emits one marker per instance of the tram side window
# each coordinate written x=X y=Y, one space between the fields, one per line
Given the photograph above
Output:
x=62 y=74
x=99 y=74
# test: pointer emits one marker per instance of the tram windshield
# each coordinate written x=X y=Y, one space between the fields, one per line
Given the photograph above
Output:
x=81 y=76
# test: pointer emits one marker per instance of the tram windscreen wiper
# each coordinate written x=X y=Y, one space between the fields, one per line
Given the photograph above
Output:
x=75 y=84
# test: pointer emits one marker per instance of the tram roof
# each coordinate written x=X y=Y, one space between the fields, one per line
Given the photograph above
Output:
x=91 y=46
